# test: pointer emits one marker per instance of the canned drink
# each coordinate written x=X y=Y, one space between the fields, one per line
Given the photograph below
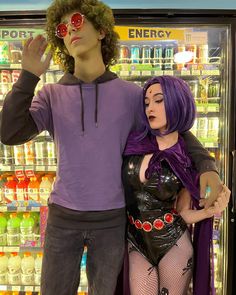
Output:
x=7 y=154
x=194 y=87
x=158 y=56
x=5 y=76
x=192 y=48
x=124 y=54
x=203 y=57
x=135 y=54
x=39 y=147
x=29 y=153
x=146 y=54
x=216 y=89
x=202 y=127
x=213 y=128
x=51 y=154
x=15 y=75
x=19 y=154
x=180 y=48
x=169 y=57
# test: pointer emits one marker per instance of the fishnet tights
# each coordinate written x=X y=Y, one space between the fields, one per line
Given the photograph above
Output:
x=172 y=275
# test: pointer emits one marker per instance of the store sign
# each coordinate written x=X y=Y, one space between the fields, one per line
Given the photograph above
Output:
x=11 y=34
x=145 y=33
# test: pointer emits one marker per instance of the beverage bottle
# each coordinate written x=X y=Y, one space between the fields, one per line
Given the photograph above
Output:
x=38 y=268
x=14 y=269
x=29 y=153
x=19 y=154
x=13 y=230
x=10 y=189
x=44 y=190
x=27 y=269
x=3 y=229
x=51 y=152
x=3 y=268
x=33 y=189
x=35 y=217
x=2 y=184
x=26 y=228
x=21 y=189
x=83 y=276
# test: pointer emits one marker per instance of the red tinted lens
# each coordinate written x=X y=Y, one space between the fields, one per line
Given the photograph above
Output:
x=61 y=30
x=77 y=20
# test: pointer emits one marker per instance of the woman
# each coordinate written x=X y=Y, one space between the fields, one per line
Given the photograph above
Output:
x=161 y=187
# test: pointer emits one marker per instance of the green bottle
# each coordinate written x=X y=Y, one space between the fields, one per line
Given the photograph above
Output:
x=13 y=230
x=26 y=229
x=3 y=227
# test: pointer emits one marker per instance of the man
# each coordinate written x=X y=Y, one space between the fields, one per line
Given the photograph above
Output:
x=89 y=114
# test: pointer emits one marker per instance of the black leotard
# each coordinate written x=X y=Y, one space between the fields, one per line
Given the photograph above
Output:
x=153 y=202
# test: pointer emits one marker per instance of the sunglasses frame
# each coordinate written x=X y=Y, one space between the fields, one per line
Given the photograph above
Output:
x=65 y=26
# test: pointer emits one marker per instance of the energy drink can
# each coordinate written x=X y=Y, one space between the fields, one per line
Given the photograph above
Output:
x=146 y=54
x=158 y=56
x=169 y=57
x=124 y=54
x=213 y=128
x=203 y=57
x=135 y=54
x=202 y=127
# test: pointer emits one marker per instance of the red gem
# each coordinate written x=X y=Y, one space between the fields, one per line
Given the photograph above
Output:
x=131 y=219
x=168 y=217
x=138 y=224
x=173 y=211
x=147 y=226
x=158 y=224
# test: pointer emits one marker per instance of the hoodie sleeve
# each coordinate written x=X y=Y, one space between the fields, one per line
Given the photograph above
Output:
x=17 y=122
x=200 y=156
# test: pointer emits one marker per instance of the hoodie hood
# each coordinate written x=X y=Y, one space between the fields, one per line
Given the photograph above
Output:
x=70 y=79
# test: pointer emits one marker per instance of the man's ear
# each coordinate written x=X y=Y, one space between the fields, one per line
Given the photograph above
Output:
x=101 y=35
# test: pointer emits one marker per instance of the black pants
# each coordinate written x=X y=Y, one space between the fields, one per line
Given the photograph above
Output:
x=63 y=249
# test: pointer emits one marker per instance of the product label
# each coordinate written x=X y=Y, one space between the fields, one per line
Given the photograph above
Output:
x=33 y=194
x=146 y=33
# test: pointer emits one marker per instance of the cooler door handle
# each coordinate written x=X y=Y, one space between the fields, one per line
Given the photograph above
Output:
x=233 y=193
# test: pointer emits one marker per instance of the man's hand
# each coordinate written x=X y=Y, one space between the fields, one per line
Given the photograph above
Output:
x=32 y=54
x=212 y=180
x=221 y=202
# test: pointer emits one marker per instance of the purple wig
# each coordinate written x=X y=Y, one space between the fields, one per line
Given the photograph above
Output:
x=179 y=104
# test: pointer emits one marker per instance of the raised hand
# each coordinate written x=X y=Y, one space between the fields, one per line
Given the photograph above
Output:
x=32 y=54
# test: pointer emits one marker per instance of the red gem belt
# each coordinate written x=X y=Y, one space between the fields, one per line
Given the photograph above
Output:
x=158 y=223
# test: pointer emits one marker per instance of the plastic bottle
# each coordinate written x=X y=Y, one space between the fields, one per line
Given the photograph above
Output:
x=38 y=268
x=10 y=189
x=44 y=190
x=13 y=230
x=27 y=268
x=14 y=269
x=29 y=153
x=26 y=228
x=21 y=189
x=3 y=230
x=33 y=189
x=3 y=268
x=83 y=276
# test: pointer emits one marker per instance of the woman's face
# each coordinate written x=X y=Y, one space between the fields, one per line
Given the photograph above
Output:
x=155 y=107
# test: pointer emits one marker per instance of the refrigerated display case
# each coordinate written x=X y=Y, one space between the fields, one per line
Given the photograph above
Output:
x=198 y=47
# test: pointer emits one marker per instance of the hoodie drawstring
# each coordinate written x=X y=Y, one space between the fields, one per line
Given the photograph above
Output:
x=96 y=106
x=82 y=107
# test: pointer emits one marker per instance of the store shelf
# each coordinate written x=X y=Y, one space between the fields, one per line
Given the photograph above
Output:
x=30 y=288
x=12 y=167
x=18 y=249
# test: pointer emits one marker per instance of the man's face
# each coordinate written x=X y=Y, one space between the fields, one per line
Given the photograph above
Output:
x=83 y=41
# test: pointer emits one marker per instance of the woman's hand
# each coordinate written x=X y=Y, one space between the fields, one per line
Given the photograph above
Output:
x=32 y=56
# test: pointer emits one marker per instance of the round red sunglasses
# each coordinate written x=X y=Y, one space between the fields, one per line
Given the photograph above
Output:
x=76 y=21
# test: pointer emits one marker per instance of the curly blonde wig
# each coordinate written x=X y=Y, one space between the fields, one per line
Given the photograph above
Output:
x=99 y=14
